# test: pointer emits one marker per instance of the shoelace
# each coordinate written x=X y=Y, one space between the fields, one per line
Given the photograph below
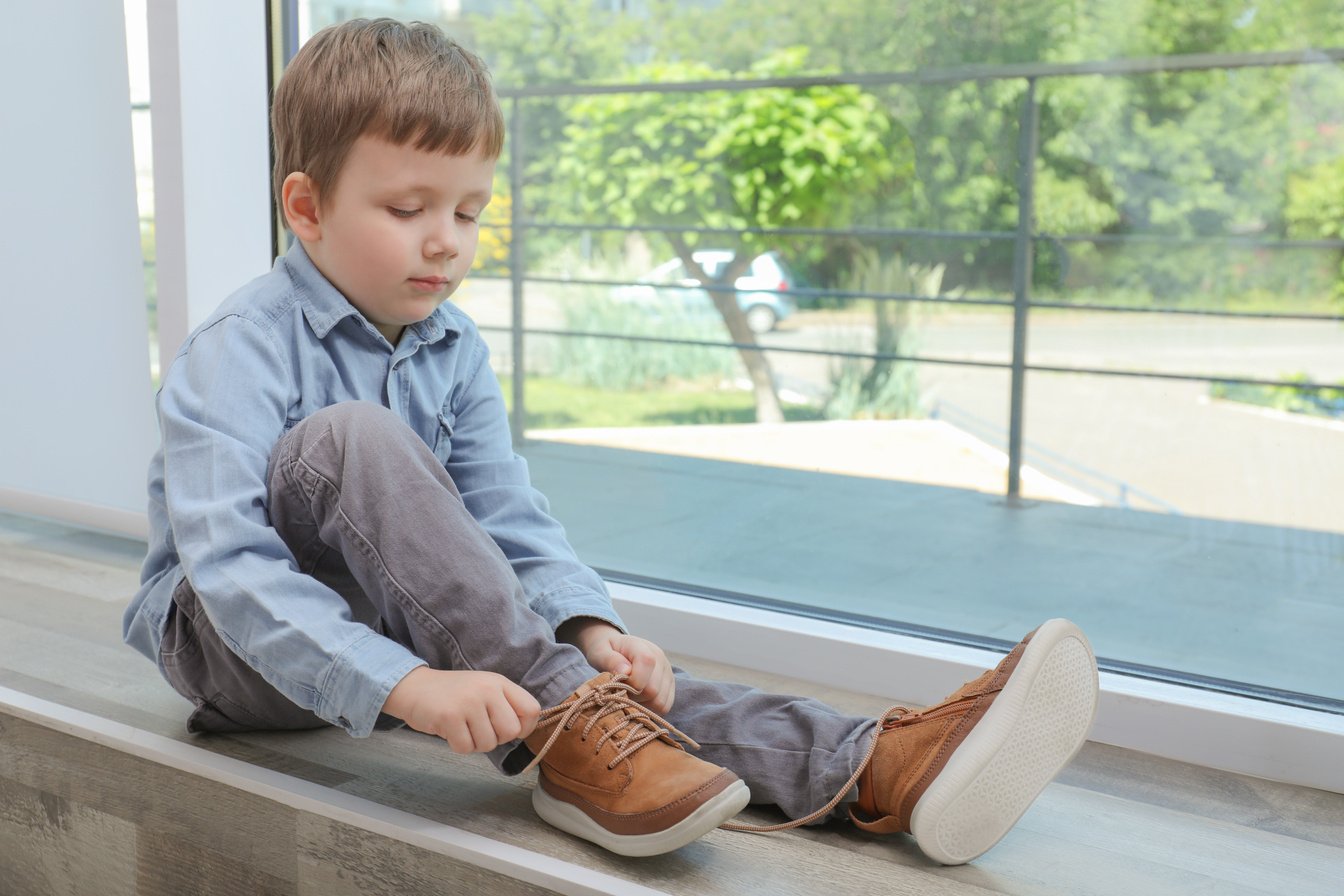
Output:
x=639 y=724
x=891 y=715
x=894 y=714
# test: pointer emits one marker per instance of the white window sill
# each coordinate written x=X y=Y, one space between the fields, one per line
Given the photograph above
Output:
x=1248 y=736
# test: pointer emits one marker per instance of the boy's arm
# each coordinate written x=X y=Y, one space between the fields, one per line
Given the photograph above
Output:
x=222 y=408
x=498 y=492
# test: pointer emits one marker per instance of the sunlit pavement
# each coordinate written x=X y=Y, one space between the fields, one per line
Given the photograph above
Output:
x=1145 y=443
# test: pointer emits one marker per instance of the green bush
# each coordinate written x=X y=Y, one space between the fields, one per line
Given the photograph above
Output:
x=624 y=364
x=1315 y=208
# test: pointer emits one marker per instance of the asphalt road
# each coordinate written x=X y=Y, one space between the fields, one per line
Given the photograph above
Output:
x=1155 y=444
x=1165 y=443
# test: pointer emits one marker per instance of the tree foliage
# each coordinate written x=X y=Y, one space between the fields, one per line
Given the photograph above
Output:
x=773 y=157
x=733 y=161
x=1182 y=156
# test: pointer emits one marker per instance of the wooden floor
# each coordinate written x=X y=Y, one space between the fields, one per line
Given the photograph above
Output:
x=77 y=816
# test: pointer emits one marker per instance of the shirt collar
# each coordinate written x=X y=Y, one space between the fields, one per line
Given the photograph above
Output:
x=324 y=306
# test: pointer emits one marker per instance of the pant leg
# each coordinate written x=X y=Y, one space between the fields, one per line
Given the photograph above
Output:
x=355 y=479
x=359 y=498
x=795 y=752
x=229 y=695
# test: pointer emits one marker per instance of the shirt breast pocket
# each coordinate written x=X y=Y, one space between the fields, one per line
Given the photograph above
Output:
x=443 y=438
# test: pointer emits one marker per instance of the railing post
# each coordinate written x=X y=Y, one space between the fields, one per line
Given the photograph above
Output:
x=1026 y=183
x=518 y=419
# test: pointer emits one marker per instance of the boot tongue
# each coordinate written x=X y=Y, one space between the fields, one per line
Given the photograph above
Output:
x=626 y=718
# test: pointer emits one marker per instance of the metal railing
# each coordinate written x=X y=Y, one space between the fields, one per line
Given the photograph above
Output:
x=1023 y=237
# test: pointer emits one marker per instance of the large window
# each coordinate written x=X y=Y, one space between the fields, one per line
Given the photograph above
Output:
x=991 y=313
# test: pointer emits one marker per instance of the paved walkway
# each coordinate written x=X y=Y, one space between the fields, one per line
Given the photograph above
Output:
x=931 y=452
x=1212 y=598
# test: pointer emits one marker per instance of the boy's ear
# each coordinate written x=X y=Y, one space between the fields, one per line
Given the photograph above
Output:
x=298 y=198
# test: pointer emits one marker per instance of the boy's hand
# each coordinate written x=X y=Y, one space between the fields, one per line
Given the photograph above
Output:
x=643 y=662
x=473 y=711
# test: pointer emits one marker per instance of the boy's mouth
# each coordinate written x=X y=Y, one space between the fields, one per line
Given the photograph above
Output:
x=429 y=284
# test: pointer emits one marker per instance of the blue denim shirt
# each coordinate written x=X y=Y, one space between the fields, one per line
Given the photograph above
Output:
x=284 y=346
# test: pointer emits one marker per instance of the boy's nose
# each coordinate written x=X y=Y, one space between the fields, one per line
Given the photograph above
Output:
x=441 y=240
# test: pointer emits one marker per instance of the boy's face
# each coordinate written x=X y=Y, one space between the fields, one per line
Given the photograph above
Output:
x=398 y=233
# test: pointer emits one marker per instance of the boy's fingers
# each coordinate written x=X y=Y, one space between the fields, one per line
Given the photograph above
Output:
x=611 y=660
x=481 y=729
x=504 y=721
x=641 y=671
x=458 y=736
x=668 y=692
x=525 y=706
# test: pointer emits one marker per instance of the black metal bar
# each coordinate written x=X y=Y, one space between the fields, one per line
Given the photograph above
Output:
x=1233 y=241
x=1187 y=312
x=977 y=301
x=922 y=359
x=781 y=231
x=1026 y=213
x=517 y=272
x=960 y=74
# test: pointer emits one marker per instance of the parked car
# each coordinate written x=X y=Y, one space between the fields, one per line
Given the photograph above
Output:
x=763 y=291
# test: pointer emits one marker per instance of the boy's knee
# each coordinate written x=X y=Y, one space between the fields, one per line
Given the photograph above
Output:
x=358 y=417
x=349 y=422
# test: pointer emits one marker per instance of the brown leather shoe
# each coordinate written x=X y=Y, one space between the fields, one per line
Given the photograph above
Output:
x=960 y=774
x=612 y=773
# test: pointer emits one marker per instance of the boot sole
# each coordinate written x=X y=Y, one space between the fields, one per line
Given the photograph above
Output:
x=1033 y=729
x=571 y=819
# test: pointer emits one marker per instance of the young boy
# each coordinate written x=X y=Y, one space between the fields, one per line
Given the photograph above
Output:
x=342 y=534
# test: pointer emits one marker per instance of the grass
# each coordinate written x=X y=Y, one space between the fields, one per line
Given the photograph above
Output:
x=554 y=404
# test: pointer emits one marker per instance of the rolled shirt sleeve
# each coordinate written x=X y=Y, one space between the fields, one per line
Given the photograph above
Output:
x=220 y=414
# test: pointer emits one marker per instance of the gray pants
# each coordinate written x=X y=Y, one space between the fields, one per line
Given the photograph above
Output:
x=424 y=573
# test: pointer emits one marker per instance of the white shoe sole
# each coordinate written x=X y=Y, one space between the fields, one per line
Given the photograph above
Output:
x=571 y=819
x=1033 y=729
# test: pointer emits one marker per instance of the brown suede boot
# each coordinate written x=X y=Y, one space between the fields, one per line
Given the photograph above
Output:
x=959 y=774
x=611 y=773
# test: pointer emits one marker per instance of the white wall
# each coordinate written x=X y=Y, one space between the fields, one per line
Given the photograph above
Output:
x=76 y=422
x=211 y=157
x=76 y=405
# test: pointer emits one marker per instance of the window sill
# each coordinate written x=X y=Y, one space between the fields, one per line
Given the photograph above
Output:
x=1243 y=735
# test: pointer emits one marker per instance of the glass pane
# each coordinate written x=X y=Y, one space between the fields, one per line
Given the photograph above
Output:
x=1182 y=337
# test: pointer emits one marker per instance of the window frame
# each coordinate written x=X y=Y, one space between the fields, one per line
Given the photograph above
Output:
x=1245 y=735
x=1249 y=736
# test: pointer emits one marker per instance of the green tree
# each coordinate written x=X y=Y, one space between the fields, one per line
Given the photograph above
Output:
x=537 y=43
x=1180 y=154
x=732 y=160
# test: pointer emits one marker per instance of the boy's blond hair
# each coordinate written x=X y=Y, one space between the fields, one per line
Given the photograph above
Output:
x=405 y=83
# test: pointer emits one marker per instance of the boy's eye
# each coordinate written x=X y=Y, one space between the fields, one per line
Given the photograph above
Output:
x=403 y=212
x=464 y=216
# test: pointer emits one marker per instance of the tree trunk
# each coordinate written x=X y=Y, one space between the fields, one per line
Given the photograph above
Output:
x=721 y=291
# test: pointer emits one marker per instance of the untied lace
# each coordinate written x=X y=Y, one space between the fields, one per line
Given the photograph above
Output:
x=887 y=720
x=639 y=724
x=891 y=715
